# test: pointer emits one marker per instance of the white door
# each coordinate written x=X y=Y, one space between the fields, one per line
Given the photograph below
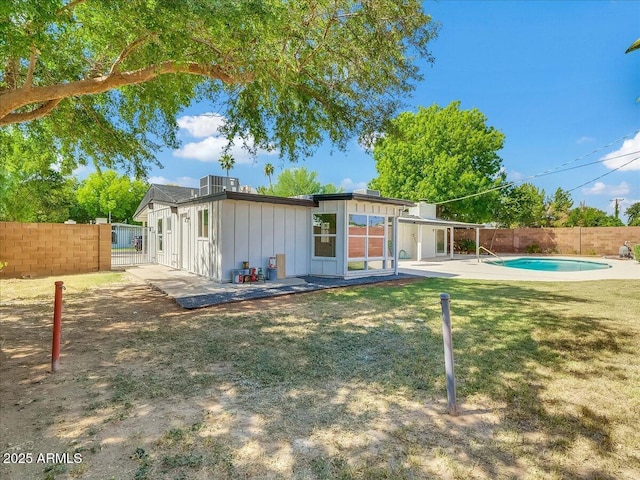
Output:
x=184 y=241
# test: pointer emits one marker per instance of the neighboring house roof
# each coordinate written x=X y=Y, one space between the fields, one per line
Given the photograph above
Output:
x=437 y=222
x=174 y=196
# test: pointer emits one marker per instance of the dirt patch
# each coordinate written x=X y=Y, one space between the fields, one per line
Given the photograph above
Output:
x=319 y=385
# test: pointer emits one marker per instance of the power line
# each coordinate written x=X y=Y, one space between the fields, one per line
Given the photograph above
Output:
x=604 y=174
x=558 y=169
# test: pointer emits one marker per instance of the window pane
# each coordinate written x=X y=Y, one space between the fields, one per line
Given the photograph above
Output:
x=324 y=223
x=324 y=246
x=390 y=238
x=355 y=265
x=159 y=226
x=168 y=224
x=356 y=247
x=357 y=224
x=376 y=226
x=374 y=265
x=376 y=247
x=205 y=223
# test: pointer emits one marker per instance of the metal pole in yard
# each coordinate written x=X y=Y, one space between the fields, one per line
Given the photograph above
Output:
x=57 y=328
x=448 y=353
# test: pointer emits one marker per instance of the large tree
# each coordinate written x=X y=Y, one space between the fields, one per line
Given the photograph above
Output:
x=32 y=186
x=110 y=195
x=633 y=215
x=439 y=154
x=103 y=80
x=298 y=181
x=584 y=216
x=557 y=208
x=521 y=206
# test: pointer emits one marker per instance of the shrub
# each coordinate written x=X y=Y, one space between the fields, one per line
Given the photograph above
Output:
x=636 y=252
x=533 y=248
x=467 y=245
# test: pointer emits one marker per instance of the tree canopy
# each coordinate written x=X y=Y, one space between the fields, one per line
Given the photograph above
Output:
x=298 y=181
x=633 y=215
x=103 y=80
x=439 y=154
x=111 y=195
x=584 y=216
x=521 y=206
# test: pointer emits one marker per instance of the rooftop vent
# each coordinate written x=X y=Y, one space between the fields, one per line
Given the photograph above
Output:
x=214 y=184
x=366 y=191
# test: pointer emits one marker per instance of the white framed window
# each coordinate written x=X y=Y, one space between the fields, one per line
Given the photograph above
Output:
x=324 y=235
x=367 y=244
x=160 y=235
x=203 y=223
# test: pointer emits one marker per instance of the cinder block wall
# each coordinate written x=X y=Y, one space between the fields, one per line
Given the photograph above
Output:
x=43 y=249
x=567 y=241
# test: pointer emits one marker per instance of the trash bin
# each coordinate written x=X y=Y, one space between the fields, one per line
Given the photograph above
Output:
x=273 y=274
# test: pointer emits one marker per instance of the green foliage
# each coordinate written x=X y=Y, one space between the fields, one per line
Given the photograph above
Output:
x=298 y=181
x=584 y=216
x=466 y=245
x=439 y=154
x=227 y=162
x=521 y=206
x=557 y=208
x=108 y=192
x=285 y=75
x=33 y=188
x=636 y=252
x=533 y=248
x=633 y=214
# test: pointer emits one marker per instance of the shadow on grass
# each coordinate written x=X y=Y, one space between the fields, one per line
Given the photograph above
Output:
x=318 y=366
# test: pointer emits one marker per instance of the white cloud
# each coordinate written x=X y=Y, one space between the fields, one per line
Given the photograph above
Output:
x=180 y=181
x=201 y=126
x=514 y=176
x=630 y=149
x=585 y=140
x=600 y=188
x=211 y=148
x=349 y=185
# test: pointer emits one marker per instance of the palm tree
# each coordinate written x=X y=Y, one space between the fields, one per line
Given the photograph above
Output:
x=268 y=171
x=227 y=162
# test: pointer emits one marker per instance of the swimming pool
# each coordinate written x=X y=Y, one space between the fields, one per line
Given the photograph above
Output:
x=552 y=264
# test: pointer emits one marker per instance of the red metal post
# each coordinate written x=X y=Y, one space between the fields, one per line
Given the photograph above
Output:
x=57 y=328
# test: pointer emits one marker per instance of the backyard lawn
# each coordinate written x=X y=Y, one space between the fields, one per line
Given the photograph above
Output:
x=346 y=383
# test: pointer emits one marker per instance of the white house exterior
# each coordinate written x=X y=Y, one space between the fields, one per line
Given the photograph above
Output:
x=423 y=235
x=211 y=232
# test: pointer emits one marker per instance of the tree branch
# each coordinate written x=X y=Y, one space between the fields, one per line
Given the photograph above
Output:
x=28 y=83
x=69 y=6
x=18 y=98
x=125 y=53
x=39 y=112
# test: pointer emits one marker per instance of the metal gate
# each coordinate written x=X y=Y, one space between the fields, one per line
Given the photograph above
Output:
x=129 y=244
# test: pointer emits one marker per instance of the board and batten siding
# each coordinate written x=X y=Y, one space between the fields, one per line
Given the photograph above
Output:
x=168 y=256
x=254 y=231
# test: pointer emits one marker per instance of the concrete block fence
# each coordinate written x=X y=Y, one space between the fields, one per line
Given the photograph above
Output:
x=43 y=249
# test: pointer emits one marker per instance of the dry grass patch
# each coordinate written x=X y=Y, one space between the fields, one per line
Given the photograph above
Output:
x=339 y=384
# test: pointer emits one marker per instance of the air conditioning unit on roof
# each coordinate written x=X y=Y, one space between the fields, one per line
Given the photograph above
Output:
x=215 y=184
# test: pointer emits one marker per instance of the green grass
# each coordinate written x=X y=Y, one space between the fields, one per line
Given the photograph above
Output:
x=349 y=383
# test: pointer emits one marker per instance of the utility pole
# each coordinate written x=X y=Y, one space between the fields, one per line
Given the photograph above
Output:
x=617 y=210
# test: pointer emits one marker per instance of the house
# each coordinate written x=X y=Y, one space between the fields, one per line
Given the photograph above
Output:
x=212 y=230
x=422 y=235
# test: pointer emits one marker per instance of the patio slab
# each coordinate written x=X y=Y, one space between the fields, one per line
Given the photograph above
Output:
x=192 y=291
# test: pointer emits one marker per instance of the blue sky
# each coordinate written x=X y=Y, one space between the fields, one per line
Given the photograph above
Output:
x=551 y=75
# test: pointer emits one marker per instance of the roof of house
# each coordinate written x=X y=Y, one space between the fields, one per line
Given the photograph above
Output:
x=174 y=196
x=437 y=221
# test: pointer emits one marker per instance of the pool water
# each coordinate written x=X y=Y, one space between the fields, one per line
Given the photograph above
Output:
x=552 y=264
